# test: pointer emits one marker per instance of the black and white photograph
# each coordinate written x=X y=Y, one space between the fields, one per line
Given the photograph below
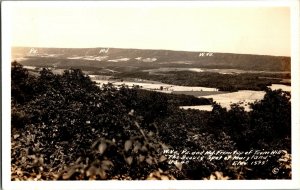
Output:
x=140 y=92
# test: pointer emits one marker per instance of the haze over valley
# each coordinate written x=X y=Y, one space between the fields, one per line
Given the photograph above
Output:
x=201 y=74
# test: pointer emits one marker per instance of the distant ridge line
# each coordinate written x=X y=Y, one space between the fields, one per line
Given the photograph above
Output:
x=137 y=49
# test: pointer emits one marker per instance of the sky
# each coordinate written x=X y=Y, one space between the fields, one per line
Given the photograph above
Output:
x=249 y=30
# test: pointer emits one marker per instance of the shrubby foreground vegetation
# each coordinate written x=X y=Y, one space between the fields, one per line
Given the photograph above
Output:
x=64 y=127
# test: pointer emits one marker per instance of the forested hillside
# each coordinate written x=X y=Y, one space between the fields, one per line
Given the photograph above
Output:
x=102 y=58
x=64 y=127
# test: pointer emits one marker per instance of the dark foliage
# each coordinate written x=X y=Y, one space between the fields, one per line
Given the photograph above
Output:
x=273 y=128
x=65 y=127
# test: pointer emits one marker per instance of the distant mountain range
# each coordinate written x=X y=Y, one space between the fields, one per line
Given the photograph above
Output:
x=105 y=57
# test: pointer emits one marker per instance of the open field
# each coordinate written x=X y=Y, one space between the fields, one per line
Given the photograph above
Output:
x=243 y=98
x=199 y=93
x=225 y=99
x=220 y=71
x=281 y=86
x=168 y=88
x=201 y=107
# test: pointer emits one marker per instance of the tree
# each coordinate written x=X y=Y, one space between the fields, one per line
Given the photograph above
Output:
x=21 y=83
x=271 y=119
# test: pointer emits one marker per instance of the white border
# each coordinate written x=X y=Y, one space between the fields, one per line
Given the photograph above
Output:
x=295 y=68
x=233 y=184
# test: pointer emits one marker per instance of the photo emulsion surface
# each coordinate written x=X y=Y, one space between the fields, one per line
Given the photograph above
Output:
x=144 y=91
